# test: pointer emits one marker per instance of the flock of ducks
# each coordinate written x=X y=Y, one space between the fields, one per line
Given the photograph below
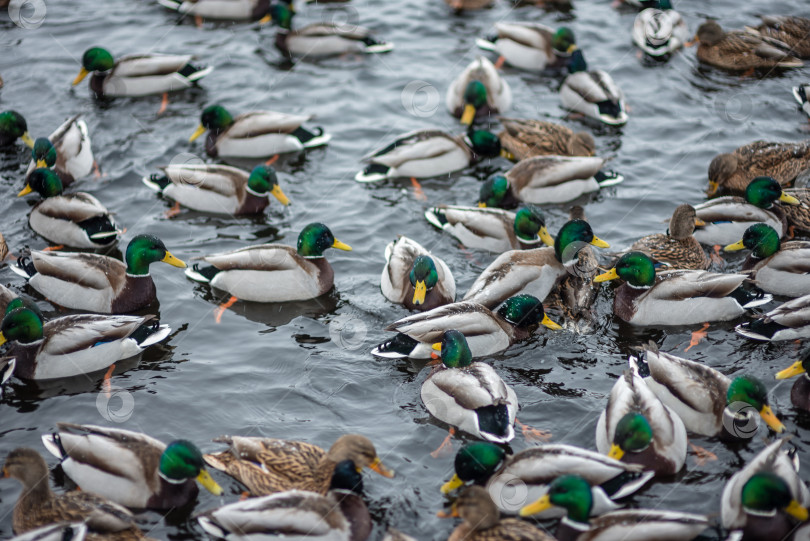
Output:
x=298 y=490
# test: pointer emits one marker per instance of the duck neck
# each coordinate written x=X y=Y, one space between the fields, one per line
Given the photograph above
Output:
x=570 y=530
x=36 y=495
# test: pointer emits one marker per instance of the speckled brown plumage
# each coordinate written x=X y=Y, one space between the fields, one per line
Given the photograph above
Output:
x=3 y=248
x=460 y=5
x=783 y=161
x=798 y=216
x=526 y=138
x=482 y=520
x=792 y=31
x=678 y=248
x=739 y=51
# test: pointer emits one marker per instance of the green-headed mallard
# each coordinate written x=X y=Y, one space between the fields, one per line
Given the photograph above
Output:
x=733 y=172
x=494 y=230
x=138 y=75
x=776 y=267
x=677 y=297
x=573 y=493
x=77 y=219
x=788 y=321
x=707 y=402
x=258 y=134
x=429 y=153
x=530 y=46
x=266 y=465
x=592 y=93
x=219 y=10
x=98 y=283
x=801 y=93
x=74 y=531
x=469 y=395
x=677 y=248
x=130 y=468
x=527 y=138
x=534 y=272
x=219 y=189
x=637 y=427
x=767 y=498
x=478 y=92
x=791 y=30
x=741 y=51
x=12 y=127
x=274 y=272
x=660 y=30
x=415 y=278
x=482 y=521
x=532 y=469
x=67 y=150
x=38 y=506
x=487 y=332
x=800 y=392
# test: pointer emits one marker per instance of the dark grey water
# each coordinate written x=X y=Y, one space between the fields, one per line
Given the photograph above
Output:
x=290 y=371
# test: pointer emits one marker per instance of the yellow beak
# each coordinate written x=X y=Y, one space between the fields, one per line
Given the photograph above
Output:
x=536 y=507
x=26 y=138
x=42 y=163
x=173 y=261
x=419 y=292
x=2 y=339
x=508 y=155
x=699 y=222
x=609 y=275
x=713 y=186
x=208 y=482
x=468 y=115
x=795 y=369
x=198 y=132
x=797 y=510
x=550 y=324
x=735 y=247
x=80 y=77
x=571 y=48
x=340 y=246
x=279 y=194
x=616 y=452
x=599 y=243
x=770 y=419
x=437 y=347
x=789 y=199
x=25 y=191
x=377 y=466
x=266 y=19
x=452 y=484
x=482 y=205
x=545 y=237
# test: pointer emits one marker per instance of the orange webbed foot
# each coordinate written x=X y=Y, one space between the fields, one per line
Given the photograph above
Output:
x=417 y=190
x=164 y=103
x=697 y=336
x=532 y=434
x=222 y=307
x=446 y=446
x=702 y=456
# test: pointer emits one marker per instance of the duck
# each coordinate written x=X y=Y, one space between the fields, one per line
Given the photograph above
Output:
x=791 y=30
x=78 y=219
x=273 y=272
x=707 y=401
x=592 y=93
x=788 y=321
x=530 y=46
x=536 y=271
x=677 y=248
x=677 y=297
x=467 y=395
x=478 y=92
x=491 y=229
x=74 y=531
x=801 y=93
x=741 y=51
x=218 y=189
x=77 y=344
x=12 y=127
x=130 y=468
x=4 y=251
x=481 y=520
x=97 y=283
x=67 y=151
x=258 y=134
x=637 y=427
x=776 y=267
x=573 y=493
x=766 y=499
x=800 y=392
x=267 y=466
x=429 y=153
x=732 y=172
x=414 y=277
x=726 y=218
x=7 y=366
x=38 y=506
x=138 y=75
x=239 y=10
x=486 y=331
x=487 y=464
x=660 y=30
x=467 y=5
x=526 y=138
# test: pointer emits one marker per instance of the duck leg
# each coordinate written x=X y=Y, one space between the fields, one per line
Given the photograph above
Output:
x=697 y=336
x=714 y=255
x=702 y=456
x=96 y=170
x=106 y=384
x=198 y=21
x=53 y=248
x=174 y=211
x=446 y=446
x=272 y=160
x=500 y=62
x=164 y=102
x=532 y=434
x=417 y=190
x=222 y=307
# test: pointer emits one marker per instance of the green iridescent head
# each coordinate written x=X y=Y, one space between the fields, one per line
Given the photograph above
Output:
x=97 y=59
x=12 y=127
x=45 y=182
x=525 y=311
x=664 y=5
x=633 y=435
x=475 y=97
x=571 y=492
x=22 y=325
x=577 y=62
x=635 y=268
x=493 y=191
x=484 y=144
x=216 y=118
x=144 y=250
x=761 y=239
x=282 y=15
x=315 y=238
x=43 y=152
x=478 y=461
x=423 y=277
x=530 y=226
x=181 y=461
x=764 y=191
x=573 y=236
x=766 y=492
x=454 y=350
x=23 y=302
x=563 y=40
x=346 y=476
x=750 y=390
x=263 y=181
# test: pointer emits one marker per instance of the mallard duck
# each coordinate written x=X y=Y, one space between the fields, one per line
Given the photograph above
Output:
x=801 y=94
x=78 y=219
x=573 y=493
x=12 y=127
x=38 y=506
x=266 y=466
x=130 y=468
x=535 y=272
x=530 y=46
x=677 y=248
x=781 y=269
x=478 y=92
x=790 y=30
x=527 y=138
x=469 y=395
x=255 y=135
x=138 y=75
x=67 y=150
x=482 y=521
x=98 y=283
x=3 y=248
x=740 y=51
x=77 y=344
x=592 y=93
x=733 y=172
x=465 y=5
x=800 y=392
x=637 y=427
x=232 y=10
x=395 y=535
x=61 y=531
x=707 y=402
x=494 y=230
x=415 y=278
x=219 y=189
x=677 y=297
x=660 y=30
x=726 y=218
x=274 y=272
x=532 y=469
x=429 y=153
x=788 y=321
x=487 y=332
x=767 y=497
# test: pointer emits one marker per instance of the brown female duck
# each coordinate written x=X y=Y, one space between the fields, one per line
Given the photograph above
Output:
x=677 y=248
x=525 y=138
x=741 y=51
x=732 y=172
x=792 y=31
